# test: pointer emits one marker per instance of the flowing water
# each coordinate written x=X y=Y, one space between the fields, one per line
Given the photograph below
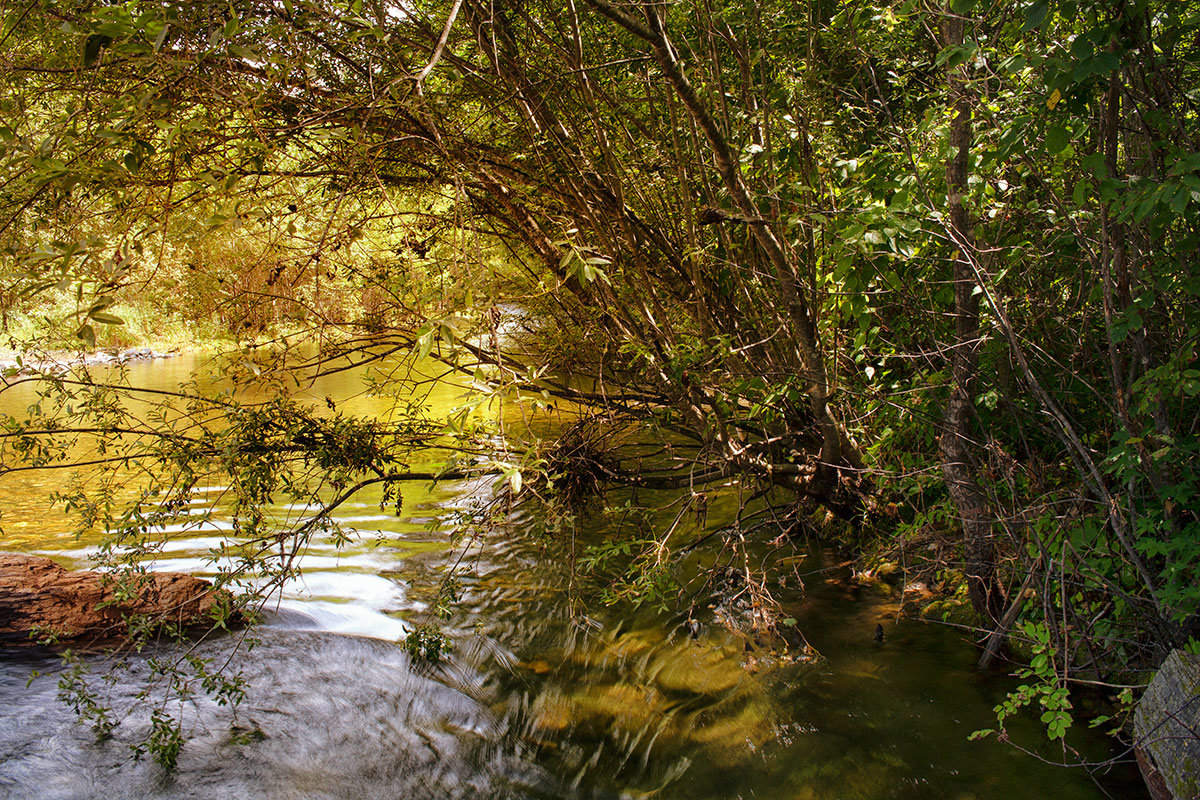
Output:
x=548 y=692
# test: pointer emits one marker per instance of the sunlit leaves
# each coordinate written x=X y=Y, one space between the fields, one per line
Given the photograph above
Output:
x=583 y=264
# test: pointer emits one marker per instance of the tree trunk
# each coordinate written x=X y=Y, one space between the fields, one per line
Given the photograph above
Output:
x=955 y=443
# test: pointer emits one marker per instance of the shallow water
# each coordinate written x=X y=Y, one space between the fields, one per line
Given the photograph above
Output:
x=548 y=693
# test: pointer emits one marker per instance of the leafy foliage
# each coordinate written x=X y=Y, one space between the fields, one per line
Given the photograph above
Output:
x=930 y=267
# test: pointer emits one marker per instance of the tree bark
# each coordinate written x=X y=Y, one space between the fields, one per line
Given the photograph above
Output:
x=955 y=443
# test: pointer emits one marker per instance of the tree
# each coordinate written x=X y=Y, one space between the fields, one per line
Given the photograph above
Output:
x=958 y=234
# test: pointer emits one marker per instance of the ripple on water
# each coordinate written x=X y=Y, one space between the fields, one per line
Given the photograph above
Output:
x=330 y=717
x=616 y=703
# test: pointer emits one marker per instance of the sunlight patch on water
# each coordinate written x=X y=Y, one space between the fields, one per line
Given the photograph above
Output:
x=347 y=618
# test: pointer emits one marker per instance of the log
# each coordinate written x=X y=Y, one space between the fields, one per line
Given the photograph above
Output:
x=40 y=598
x=1166 y=727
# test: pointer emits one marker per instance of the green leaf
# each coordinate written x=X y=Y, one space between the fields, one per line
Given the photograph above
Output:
x=956 y=54
x=1145 y=208
x=244 y=53
x=1180 y=200
x=1080 y=193
x=1082 y=48
x=1105 y=62
x=425 y=344
x=93 y=47
x=105 y=318
x=1057 y=139
x=88 y=334
x=1036 y=15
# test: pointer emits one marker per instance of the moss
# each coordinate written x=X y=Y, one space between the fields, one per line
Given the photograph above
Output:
x=880 y=589
x=888 y=571
x=950 y=609
x=620 y=705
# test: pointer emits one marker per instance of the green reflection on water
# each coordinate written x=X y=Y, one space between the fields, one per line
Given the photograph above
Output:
x=630 y=701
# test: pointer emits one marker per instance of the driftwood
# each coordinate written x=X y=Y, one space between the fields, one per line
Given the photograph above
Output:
x=1167 y=729
x=41 y=600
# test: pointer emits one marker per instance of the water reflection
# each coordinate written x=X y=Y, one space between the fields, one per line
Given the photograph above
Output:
x=548 y=693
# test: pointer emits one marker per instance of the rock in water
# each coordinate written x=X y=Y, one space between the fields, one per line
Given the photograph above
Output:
x=38 y=595
x=1166 y=724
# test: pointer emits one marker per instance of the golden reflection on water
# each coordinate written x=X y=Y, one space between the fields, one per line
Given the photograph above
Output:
x=626 y=701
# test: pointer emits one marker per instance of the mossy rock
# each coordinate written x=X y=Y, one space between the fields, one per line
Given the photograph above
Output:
x=620 y=704
x=538 y=666
x=729 y=740
x=695 y=669
x=950 y=609
x=551 y=713
x=880 y=588
x=626 y=647
x=888 y=571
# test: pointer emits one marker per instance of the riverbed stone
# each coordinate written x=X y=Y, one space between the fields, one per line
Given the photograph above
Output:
x=58 y=363
x=1165 y=726
x=620 y=704
x=551 y=713
x=40 y=599
x=695 y=669
x=730 y=740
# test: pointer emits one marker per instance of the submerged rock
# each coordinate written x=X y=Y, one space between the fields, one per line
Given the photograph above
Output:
x=693 y=669
x=551 y=713
x=728 y=738
x=39 y=600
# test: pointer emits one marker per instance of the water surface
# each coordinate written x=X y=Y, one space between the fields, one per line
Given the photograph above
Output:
x=548 y=692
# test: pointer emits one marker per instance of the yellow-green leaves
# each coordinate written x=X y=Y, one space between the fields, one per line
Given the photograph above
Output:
x=584 y=264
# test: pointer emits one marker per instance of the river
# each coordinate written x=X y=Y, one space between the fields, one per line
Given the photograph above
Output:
x=548 y=692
